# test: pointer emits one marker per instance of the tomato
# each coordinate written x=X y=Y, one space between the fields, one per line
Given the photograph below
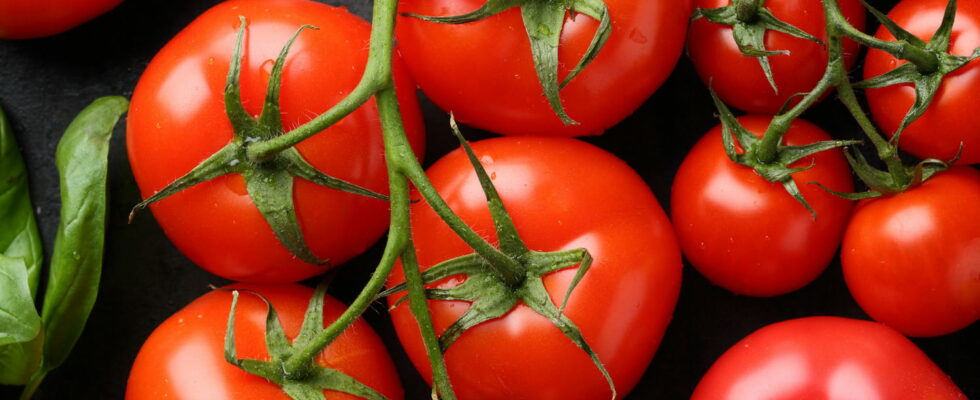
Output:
x=561 y=194
x=21 y=19
x=825 y=358
x=184 y=357
x=483 y=71
x=749 y=235
x=939 y=132
x=178 y=119
x=739 y=80
x=912 y=260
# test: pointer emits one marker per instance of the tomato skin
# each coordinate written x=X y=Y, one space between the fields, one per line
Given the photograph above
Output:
x=177 y=120
x=747 y=234
x=498 y=89
x=184 y=357
x=622 y=305
x=912 y=260
x=20 y=19
x=830 y=358
x=739 y=81
x=940 y=130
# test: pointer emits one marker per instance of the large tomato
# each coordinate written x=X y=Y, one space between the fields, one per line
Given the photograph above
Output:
x=27 y=19
x=749 y=235
x=483 y=71
x=739 y=80
x=561 y=194
x=939 y=132
x=825 y=358
x=184 y=357
x=177 y=119
x=912 y=260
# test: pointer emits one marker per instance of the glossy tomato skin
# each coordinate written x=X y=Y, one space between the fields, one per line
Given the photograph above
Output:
x=747 y=234
x=28 y=19
x=912 y=260
x=739 y=80
x=825 y=358
x=483 y=71
x=562 y=194
x=945 y=124
x=177 y=119
x=184 y=357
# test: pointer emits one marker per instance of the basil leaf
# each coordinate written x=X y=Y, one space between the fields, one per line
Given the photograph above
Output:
x=18 y=229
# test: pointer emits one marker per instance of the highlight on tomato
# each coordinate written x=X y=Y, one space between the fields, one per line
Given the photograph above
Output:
x=29 y=19
x=525 y=338
x=912 y=259
x=253 y=220
x=825 y=358
x=516 y=67
x=185 y=357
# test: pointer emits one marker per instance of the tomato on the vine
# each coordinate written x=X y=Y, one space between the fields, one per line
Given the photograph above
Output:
x=178 y=119
x=912 y=260
x=949 y=121
x=749 y=235
x=483 y=71
x=825 y=358
x=28 y=19
x=184 y=357
x=739 y=80
x=561 y=194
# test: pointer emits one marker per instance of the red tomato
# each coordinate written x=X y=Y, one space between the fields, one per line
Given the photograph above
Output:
x=947 y=122
x=177 y=119
x=819 y=358
x=562 y=194
x=739 y=80
x=28 y=19
x=483 y=71
x=184 y=357
x=747 y=234
x=912 y=260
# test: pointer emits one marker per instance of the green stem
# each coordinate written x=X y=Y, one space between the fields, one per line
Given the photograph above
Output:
x=33 y=384
x=746 y=10
x=377 y=76
x=925 y=61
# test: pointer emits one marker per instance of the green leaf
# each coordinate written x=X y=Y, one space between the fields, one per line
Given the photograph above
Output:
x=19 y=321
x=76 y=263
x=19 y=237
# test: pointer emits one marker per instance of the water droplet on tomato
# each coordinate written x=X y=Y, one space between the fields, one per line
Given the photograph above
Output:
x=637 y=36
x=210 y=60
x=486 y=160
x=493 y=175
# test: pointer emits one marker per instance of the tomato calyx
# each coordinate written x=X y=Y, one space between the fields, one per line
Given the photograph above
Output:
x=778 y=169
x=750 y=20
x=307 y=383
x=543 y=22
x=493 y=289
x=925 y=75
x=269 y=181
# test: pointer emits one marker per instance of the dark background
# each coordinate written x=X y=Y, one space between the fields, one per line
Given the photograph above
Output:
x=45 y=82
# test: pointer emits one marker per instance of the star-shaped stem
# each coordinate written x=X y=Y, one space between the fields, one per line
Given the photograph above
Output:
x=491 y=294
x=750 y=20
x=543 y=22
x=269 y=182
x=925 y=79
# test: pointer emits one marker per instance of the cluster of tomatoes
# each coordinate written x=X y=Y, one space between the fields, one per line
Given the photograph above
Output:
x=909 y=262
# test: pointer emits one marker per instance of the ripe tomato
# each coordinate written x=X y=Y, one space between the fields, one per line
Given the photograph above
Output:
x=20 y=19
x=747 y=234
x=912 y=260
x=561 y=194
x=940 y=130
x=483 y=71
x=739 y=80
x=184 y=357
x=825 y=358
x=178 y=119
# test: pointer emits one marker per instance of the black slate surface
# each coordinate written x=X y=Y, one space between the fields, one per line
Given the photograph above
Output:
x=45 y=82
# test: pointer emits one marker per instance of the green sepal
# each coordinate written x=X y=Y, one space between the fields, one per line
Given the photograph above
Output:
x=269 y=181
x=926 y=83
x=870 y=194
x=750 y=34
x=543 y=22
x=315 y=379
